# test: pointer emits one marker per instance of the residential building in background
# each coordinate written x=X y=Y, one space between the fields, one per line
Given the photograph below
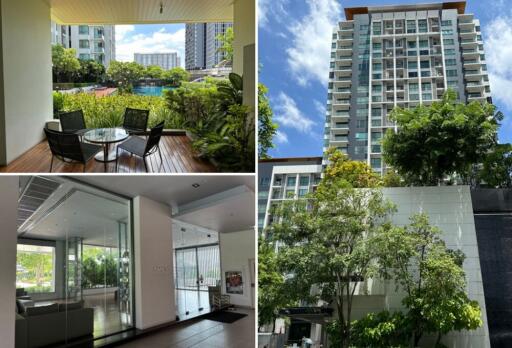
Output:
x=97 y=42
x=389 y=56
x=202 y=45
x=164 y=60
x=283 y=179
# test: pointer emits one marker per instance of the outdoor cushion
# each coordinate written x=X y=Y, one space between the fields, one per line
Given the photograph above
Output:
x=33 y=311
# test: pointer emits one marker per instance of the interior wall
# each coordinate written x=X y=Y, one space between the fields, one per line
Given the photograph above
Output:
x=26 y=91
x=236 y=250
x=154 y=281
x=8 y=237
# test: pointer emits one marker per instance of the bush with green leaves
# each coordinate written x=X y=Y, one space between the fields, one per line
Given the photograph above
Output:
x=108 y=111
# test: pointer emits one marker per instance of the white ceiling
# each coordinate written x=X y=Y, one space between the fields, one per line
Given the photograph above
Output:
x=170 y=190
x=140 y=11
x=83 y=215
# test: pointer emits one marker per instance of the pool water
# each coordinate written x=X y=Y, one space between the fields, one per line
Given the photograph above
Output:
x=151 y=90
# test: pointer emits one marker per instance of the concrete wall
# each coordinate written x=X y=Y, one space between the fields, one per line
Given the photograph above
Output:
x=450 y=209
x=8 y=214
x=154 y=283
x=26 y=87
x=244 y=28
x=236 y=249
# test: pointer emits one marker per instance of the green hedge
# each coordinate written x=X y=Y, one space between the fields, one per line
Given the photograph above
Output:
x=108 y=111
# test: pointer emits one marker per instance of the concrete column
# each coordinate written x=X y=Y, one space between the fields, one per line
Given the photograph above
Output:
x=25 y=75
x=244 y=28
x=8 y=236
x=154 y=280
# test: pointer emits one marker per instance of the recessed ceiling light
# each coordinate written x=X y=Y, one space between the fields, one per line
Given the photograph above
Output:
x=195 y=185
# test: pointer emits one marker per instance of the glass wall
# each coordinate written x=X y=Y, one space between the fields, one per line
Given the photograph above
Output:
x=74 y=262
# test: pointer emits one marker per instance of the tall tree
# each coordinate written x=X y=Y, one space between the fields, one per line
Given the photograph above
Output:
x=431 y=275
x=176 y=76
x=154 y=72
x=446 y=138
x=326 y=237
x=125 y=74
x=91 y=71
x=66 y=65
x=267 y=129
x=497 y=167
x=226 y=41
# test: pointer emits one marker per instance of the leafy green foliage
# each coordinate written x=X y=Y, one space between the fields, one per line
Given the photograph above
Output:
x=382 y=329
x=267 y=129
x=419 y=262
x=443 y=139
x=99 y=268
x=497 y=167
x=222 y=126
x=65 y=64
x=91 y=71
x=175 y=76
x=108 y=111
x=274 y=296
x=392 y=179
x=153 y=72
x=58 y=102
x=125 y=74
x=37 y=270
x=226 y=41
x=326 y=238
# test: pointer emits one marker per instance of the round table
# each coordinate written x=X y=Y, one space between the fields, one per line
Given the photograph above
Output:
x=106 y=136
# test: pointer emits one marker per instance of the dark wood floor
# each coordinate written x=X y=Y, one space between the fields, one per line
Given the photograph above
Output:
x=176 y=150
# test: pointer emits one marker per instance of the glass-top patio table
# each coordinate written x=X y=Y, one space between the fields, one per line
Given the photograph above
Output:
x=106 y=136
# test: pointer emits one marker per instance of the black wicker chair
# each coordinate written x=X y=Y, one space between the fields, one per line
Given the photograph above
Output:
x=68 y=147
x=136 y=121
x=73 y=122
x=142 y=147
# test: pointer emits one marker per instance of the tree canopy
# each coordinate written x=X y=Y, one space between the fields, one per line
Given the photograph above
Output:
x=497 y=167
x=444 y=139
x=226 y=41
x=267 y=128
x=65 y=64
x=125 y=74
x=176 y=76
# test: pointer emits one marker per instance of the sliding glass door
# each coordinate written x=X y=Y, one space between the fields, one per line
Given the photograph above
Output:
x=197 y=269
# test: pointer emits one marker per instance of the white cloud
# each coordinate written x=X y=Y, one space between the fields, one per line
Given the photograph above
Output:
x=122 y=31
x=160 y=41
x=288 y=114
x=320 y=108
x=275 y=9
x=281 y=138
x=308 y=57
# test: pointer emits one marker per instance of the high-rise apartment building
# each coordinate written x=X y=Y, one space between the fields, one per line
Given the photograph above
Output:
x=164 y=60
x=96 y=42
x=383 y=57
x=202 y=45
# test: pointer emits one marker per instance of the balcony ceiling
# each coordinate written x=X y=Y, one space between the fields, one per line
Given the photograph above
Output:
x=140 y=11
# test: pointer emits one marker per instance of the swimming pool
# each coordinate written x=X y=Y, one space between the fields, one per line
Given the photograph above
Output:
x=150 y=90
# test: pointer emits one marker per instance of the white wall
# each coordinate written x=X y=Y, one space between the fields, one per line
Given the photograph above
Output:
x=154 y=283
x=8 y=214
x=244 y=29
x=450 y=209
x=26 y=87
x=236 y=249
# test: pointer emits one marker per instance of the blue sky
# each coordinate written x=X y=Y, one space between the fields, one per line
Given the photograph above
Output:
x=294 y=46
x=154 y=38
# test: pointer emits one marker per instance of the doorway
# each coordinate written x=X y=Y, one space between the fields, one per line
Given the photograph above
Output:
x=197 y=277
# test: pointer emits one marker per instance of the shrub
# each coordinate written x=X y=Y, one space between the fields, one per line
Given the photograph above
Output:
x=108 y=111
x=383 y=329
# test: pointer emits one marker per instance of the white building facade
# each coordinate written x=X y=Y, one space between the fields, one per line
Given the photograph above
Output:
x=164 y=60
x=90 y=42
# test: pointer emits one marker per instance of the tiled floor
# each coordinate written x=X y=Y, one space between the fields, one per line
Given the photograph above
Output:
x=203 y=333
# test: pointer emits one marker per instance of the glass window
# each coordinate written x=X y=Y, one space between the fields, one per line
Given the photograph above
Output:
x=376 y=88
x=84 y=43
x=413 y=74
x=361 y=136
x=291 y=180
x=452 y=84
x=376 y=112
x=450 y=62
x=375 y=163
x=425 y=64
x=411 y=44
x=447 y=31
x=427 y=96
x=411 y=26
x=377 y=46
x=84 y=56
x=422 y=26
x=303 y=192
x=35 y=268
x=426 y=86
x=423 y=43
x=425 y=73
x=412 y=65
x=360 y=149
x=304 y=180
x=83 y=30
x=412 y=53
x=413 y=87
x=447 y=23
x=449 y=52
x=377 y=66
x=448 y=42
x=451 y=73
x=361 y=124
x=362 y=100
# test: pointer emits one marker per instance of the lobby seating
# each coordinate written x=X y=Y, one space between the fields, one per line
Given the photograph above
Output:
x=38 y=326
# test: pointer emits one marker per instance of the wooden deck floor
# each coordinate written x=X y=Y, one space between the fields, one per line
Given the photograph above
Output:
x=176 y=153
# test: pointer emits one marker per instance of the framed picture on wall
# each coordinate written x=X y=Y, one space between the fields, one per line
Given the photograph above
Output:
x=234 y=283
